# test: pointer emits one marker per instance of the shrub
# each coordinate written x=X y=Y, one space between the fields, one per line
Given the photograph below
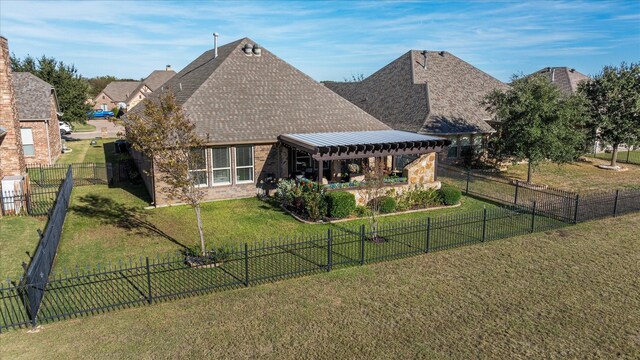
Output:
x=287 y=192
x=362 y=211
x=387 y=204
x=340 y=204
x=449 y=194
x=315 y=205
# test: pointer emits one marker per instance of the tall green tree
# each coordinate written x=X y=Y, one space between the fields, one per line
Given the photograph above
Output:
x=70 y=87
x=537 y=122
x=164 y=133
x=98 y=83
x=614 y=96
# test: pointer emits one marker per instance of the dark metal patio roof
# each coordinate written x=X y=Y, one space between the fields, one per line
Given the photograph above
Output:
x=363 y=144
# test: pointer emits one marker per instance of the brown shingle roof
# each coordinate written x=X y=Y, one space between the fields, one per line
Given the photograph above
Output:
x=118 y=91
x=241 y=98
x=567 y=79
x=439 y=96
x=156 y=79
x=33 y=97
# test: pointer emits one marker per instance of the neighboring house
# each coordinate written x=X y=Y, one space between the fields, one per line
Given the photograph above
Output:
x=12 y=165
x=567 y=79
x=38 y=111
x=262 y=119
x=114 y=95
x=149 y=85
x=428 y=92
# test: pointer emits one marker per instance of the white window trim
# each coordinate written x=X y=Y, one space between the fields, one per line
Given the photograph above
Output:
x=213 y=183
x=25 y=143
x=236 y=167
x=206 y=161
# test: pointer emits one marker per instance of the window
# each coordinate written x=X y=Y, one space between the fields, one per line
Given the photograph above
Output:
x=27 y=142
x=139 y=96
x=198 y=167
x=221 y=166
x=244 y=164
x=453 y=148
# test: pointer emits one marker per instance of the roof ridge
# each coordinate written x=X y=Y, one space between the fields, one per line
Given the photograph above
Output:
x=233 y=45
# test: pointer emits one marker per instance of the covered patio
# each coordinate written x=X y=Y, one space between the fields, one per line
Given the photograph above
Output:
x=329 y=158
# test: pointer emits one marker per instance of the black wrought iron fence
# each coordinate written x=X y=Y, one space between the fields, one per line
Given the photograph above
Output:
x=53 y=175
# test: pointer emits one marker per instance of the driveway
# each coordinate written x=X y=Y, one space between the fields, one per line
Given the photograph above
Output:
x=112 y=130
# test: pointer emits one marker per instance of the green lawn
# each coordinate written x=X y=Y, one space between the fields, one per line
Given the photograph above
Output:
x=83 y=151
x=18 y=242
x=80 y=127
x=578 y=176
x=568 y=293
x=111 y=224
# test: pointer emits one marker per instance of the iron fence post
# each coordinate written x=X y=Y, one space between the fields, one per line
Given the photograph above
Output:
x=362 y=236
x=428 y=240
x=150 y=297
x=533 y=217
x=329 y=259
x=246 y=265
x=484 y=224
x=615 y=204
x=466 y=192
x=575 y=212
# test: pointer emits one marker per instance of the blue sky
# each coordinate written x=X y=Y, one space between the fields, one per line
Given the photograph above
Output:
x=327 y=40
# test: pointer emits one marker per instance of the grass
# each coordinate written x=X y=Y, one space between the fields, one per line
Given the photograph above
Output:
x=623 y=156
x=86 y=127
x=111 y=224
x=18 y=242
x=578 y=176
x=569 y=293
x=83 y=151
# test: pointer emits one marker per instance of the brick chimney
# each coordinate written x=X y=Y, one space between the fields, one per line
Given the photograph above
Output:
x=11 y=155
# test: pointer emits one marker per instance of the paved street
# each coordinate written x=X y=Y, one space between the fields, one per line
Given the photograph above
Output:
x=112 y=130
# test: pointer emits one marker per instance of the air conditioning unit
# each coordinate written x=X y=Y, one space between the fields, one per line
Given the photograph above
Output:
x=13 y=194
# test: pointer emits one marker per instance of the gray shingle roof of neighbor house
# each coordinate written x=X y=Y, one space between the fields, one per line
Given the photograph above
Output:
x=236 y=98
x=33 y=97
x=118 y=91
x=155 y=79
x=567 y=79
x=430 y=92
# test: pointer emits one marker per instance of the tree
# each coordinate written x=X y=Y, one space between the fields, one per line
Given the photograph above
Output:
x=373 y=192
x=614 y=96
x=537 y=122
x=71 y=88
x=98 y=83
x=164 y=133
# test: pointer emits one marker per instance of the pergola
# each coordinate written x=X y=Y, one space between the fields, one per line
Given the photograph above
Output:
x=362 y=144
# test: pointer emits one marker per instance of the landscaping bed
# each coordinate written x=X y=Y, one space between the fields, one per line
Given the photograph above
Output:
x=310 y=203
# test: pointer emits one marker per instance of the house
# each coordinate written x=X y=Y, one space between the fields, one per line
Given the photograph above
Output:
x=114 y=95
x=428 y=92
x=567 y=79
x=38 y=111
x=149 y=85
x=12 y=164
x=262 y=120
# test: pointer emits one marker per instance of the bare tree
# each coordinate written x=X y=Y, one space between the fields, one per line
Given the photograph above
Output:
x=373 y=191
x=164 y=133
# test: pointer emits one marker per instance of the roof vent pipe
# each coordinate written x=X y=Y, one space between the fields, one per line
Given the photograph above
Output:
x=441 y=53
x=257 y=50
x=424 y=53
x=215 y=45
x=248 y=49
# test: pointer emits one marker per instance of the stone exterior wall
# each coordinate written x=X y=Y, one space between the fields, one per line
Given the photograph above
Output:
x=422 y=170
x=266 y=164
x=393 y=188
x=11 y=155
